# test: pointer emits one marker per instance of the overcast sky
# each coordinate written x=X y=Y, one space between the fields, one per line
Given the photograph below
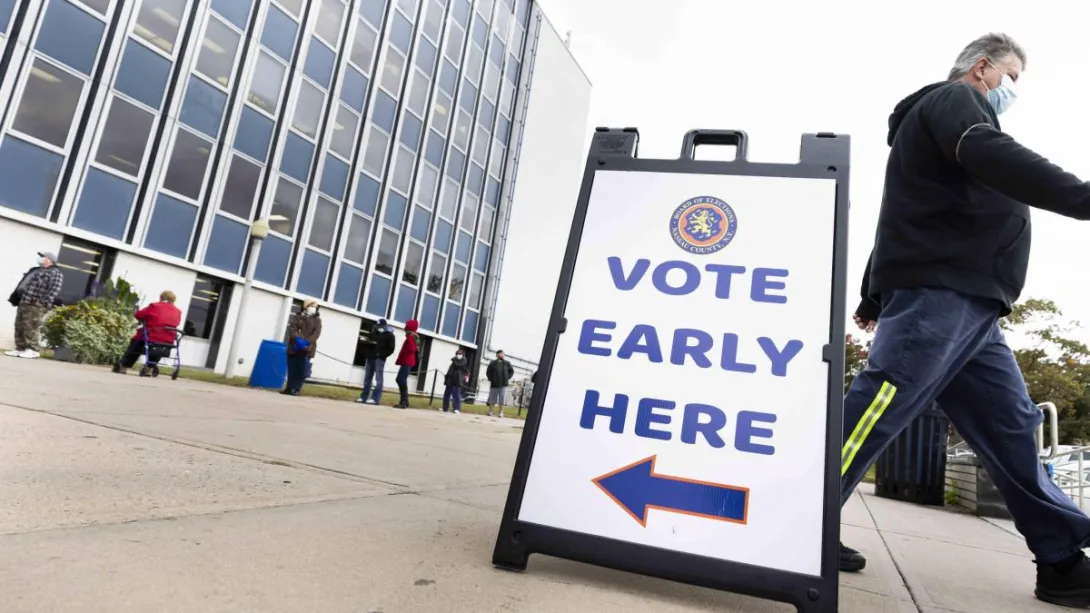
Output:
x=779 y=69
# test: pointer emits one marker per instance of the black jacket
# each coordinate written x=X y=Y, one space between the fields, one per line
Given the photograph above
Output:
x=500 y=373
x=955 y=208
x=457 y=373
x=385 y=343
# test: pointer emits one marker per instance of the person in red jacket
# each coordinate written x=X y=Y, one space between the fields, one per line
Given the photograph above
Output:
x=160 y=319
x=406 y=360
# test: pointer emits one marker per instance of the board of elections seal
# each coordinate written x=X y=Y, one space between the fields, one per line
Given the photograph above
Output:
x=703 y=225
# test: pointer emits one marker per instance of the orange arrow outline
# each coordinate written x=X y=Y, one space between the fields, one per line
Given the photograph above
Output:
x=647 y=513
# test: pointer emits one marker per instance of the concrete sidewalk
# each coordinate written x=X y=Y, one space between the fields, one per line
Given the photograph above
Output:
x=125 y=494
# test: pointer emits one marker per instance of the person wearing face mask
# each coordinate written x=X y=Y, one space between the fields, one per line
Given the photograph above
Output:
x=35 y=294
x=303 y=333
x=949 y=260
x=455 y=381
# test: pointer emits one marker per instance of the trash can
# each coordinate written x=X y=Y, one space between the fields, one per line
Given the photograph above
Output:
x=913 y=467
x=270 y=369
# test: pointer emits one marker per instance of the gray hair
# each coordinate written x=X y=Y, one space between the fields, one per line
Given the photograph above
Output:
x=994 y=46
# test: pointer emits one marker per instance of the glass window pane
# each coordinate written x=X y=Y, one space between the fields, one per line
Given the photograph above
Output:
x=241 y=188
x=487 y=114
x=125 y=137
x=461 y=130
x=410 y=131
x=49 y=103
x=278 y=35
x=226 y=244
x=468 y=97
x=334 y=178
x=476 y=179
x=188 y=163
x=409 y=6
x=427 y=179
x=285 y=208
x=440 y=116
x=469 y=213
x=344 y=132
x=418 y=94
x=462 y=247
x=235 y=11
x=436 y=272
x=396 y=207
x=70 y=35
x=363 y=47
x=474 y=62
x=488 y=216
x=448 y=78
x=143 y=74
x=171 y=226
x=502 y=21
x=203 y=107
x=97 y=5
x=387 y=252
x=480 y=146
x=348 y=286
x=461 y=11
x=293 y=6
x=503 y=129
x=298 y=154
x=392 y=70
x=366 y=199
x=28 y=176
x=158 y=22
x=217 y=55
x=403 y=170
x=324 y=224
x=359 y=233
x=401 y=33
x=201 y=314
x=328 y=25
x=456 y=165
x=426 y=56
x=450 y=199
x=253 y=135
x=475 y=285
x=480 y=261
x=384 y=112
x=433 y=20
x=434 y=151
x=312 y=274
x=375 y=156
x=354 y=89
x=496 y=167
x=266 y=82
x=455 y=39
x=104 y=204
x=414 y=262
x=444 y=235
x=421 y=224
x=492 y=193
x=457 y=282
x=378 y=296
x=507 y=98
x=319 y=63
x=406 y=303
x=308 y=109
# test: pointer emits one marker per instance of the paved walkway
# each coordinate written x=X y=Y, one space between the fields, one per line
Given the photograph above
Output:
x=125 y=494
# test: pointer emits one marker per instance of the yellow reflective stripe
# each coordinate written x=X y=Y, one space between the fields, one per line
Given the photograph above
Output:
x=866 y=424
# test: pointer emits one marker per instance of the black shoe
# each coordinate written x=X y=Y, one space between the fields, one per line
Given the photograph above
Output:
x=119 y=369
x=851 y=561
x=1066 y=584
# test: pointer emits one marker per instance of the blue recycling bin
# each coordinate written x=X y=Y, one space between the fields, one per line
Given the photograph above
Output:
x=270 y=369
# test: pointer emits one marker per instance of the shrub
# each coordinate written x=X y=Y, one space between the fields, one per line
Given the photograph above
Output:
x=95 y=329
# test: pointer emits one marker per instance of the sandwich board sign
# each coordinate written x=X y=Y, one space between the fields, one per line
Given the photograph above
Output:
x=687 y=420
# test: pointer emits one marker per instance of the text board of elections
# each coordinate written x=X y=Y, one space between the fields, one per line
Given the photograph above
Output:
x=686 y=403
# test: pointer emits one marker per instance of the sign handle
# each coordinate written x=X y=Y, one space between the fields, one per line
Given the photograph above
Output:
x=694 y=138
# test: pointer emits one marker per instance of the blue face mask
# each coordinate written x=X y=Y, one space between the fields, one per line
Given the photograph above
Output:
x=1003 y=96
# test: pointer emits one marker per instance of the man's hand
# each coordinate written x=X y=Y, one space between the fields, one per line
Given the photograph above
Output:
x=865 y=325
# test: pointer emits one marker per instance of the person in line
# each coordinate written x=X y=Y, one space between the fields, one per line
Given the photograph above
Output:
x=382 y=335
x=304 y=330
x=159 y=321
x=499 y=373
x=35 y=294
x=455 y=381
x=406 y=361
x=950 y=257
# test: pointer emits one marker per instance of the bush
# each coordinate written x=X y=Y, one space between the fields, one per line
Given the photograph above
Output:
x=95 y=329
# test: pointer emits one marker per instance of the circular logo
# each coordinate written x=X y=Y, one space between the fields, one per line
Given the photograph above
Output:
x=703 y=225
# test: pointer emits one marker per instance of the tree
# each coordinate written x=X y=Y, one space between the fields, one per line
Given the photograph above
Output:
x=855 y=359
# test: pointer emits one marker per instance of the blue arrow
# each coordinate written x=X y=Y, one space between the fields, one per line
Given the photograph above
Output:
x=637 y=488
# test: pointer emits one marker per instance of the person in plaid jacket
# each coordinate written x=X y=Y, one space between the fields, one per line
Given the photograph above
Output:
x=33 y=298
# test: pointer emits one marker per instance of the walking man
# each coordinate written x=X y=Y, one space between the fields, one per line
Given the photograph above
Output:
x=382 y=335
x=949 y=260
x=500 y=372
x=33 y=298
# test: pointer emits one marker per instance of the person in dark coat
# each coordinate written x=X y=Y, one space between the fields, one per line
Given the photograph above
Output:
x=382 y=336
x=500 y=372
x=456 y=380
x=406 y=361
x=304 y=330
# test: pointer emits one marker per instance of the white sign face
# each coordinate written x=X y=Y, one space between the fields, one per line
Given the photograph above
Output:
x=687 y=404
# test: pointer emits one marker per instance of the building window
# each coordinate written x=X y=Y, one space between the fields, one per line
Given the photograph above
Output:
x=85 y=267
x=200 y=319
